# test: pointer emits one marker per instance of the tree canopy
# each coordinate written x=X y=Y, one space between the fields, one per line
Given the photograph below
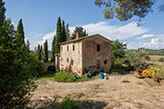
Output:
x=20 y=33
x=126 y=9
x=53 y=50
x=118 y=49
x=45 y=59
x=19 y=66
x=81 y=30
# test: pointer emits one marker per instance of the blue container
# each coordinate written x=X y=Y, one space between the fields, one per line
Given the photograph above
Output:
x=86 y=75
x=101 y=75
x=74 y=77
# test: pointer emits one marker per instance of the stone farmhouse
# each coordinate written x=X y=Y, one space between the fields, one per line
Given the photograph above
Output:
x=83 y=54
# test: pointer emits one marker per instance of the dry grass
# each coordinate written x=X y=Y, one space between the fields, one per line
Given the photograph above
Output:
x=155 y=57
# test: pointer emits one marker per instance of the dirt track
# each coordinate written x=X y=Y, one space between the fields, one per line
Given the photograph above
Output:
x=121 y=92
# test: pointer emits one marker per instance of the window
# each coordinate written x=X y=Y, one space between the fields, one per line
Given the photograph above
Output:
x=67 y=47
x=105 y=61
x=98 y=64
x=61 y=48
x=67 y=60
x=72 y=62
x=61 y=59
x=73 y=47
x=98 y=47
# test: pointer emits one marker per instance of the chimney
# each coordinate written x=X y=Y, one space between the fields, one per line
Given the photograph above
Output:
x=78 y=35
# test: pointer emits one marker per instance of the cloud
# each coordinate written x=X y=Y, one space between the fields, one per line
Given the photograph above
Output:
x=115 y=32
x=109 y=31
x=146 y=36
x=49 y=38
x=154 y=44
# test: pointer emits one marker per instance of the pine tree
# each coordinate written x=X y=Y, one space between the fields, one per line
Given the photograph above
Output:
x=20 y=32
x=58 y=36
x=45 y=59
x=2 y=12
x=80 y=30
x=63 y=32
x=67 y=32
x=53 y=50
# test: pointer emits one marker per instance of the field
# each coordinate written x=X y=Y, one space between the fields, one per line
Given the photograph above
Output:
x=155 y=57
x=122 y=92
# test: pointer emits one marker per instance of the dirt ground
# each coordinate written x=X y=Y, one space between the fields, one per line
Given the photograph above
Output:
x=118 y=92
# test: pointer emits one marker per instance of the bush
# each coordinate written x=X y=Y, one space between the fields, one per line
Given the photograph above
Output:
x=118 y=64
x=68 y=77
x=161 y=60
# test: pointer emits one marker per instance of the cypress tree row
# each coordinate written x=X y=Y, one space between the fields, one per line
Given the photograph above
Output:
x=58 y=36
x=20 y=33
x=2 y=12
x=39 y=49
x=45 y=59
x=67 y=32
x=53 y=50
x=63 y=32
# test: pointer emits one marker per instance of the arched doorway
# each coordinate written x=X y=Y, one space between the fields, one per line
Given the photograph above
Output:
x=51 y=68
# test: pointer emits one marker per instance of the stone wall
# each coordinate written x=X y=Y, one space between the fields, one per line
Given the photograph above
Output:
x=71 y=57
x=90 y=55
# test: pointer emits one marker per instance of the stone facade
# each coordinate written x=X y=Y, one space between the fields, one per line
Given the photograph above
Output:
x=90 y=53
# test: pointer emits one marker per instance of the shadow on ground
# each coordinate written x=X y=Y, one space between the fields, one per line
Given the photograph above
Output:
x=67 y=103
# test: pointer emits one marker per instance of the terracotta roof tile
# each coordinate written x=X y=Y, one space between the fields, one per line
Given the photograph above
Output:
x=82 y=38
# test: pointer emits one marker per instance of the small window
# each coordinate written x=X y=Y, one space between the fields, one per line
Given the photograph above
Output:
x=67 y=60
x=72 y=62
x=105 y=61
x=73 y=47
x=67 y=47
x=61 y=59
x=98 y=47
x=61 y=48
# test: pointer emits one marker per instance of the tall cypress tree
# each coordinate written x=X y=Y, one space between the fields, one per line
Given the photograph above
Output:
x=58 y=36
x=39 y=52
x=2 y=12
x=63 y=32
x=53 y=50
x=45 y=59
x=67 y=32
x=20 y=33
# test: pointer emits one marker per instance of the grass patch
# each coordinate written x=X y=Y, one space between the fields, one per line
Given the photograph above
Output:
x=160 y=74
x=48 y=75
x=157 y=66
x=68 y=77
x=118 y=71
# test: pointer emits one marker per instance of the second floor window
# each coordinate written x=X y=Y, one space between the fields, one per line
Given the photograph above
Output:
x=67 y=47
x=98 y=47
x=73 y=47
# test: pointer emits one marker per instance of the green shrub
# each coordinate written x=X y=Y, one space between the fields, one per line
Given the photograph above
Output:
x=118 y=64
x=64 y=77
x=161 y=60
x=68 y=77
x=157 y=66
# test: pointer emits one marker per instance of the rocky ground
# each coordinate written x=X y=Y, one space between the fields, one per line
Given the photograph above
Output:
x=118 y=92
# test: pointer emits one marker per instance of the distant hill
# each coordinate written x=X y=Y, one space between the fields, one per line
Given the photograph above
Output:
x=152 y=51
